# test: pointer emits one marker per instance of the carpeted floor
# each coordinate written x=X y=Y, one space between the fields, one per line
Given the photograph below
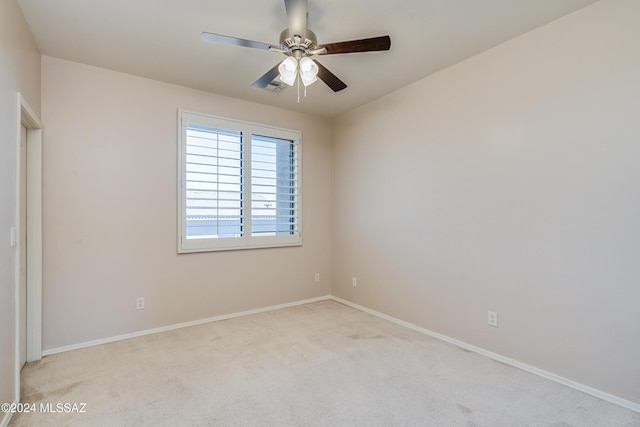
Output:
x=319 y=364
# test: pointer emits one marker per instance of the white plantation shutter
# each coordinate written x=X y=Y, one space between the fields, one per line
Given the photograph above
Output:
x=273 y=186
x=213 y=167
x=239 y=185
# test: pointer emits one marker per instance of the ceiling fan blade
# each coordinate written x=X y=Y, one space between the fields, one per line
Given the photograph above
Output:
x=363 y=45
x=267 y=78
x=234 y=41
x=329 y=78
x=297 y=14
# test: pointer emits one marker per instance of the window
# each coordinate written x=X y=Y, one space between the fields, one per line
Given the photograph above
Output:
x=239 y=185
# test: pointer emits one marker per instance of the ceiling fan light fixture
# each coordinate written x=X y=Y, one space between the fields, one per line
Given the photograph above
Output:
x=298 y=43
x=307 y=80
x=288 y=70
x=308 y=71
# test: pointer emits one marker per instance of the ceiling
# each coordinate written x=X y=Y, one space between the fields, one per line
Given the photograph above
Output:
x=160 y=39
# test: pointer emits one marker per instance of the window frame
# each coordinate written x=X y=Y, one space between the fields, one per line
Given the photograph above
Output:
x=247 y=241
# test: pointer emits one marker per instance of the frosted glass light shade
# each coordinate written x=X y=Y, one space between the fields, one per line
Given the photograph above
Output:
x=288 y=70
x=308 y=71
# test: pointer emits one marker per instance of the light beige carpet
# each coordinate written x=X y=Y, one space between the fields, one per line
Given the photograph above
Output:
x=320 y=364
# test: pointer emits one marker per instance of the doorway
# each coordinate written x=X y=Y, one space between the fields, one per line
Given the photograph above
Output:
x=22 y=247
x=28 y=238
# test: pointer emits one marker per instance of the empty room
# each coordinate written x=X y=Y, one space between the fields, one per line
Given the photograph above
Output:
x=312 y=212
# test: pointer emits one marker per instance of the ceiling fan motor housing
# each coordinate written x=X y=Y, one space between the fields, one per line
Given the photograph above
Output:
x=294 y=43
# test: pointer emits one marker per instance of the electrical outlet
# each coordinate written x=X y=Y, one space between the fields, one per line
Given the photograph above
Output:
x=492 y=318
x=317 y=278
x=354 y=282
x=139 y=303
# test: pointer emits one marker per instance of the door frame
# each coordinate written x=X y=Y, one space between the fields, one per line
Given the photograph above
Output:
x=26 y=117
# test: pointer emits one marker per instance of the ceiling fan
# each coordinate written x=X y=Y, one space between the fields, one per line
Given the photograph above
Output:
x=299 y=44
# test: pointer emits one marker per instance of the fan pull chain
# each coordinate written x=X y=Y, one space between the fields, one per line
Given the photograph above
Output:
x=299 y=90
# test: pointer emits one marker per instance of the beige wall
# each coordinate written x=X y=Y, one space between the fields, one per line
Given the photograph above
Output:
x=508 y=182
x=110 y=210
x=19 y=72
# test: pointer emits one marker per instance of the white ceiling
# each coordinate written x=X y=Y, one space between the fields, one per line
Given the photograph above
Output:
x=160 y=39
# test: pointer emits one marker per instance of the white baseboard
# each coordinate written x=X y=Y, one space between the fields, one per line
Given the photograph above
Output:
x=508 y=361
x=178 y=326
x=7 y=417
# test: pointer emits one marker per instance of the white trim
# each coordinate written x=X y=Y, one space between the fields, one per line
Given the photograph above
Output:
x=7 y=417
x=181 y=325
x=508 y=361
x=27 y=117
